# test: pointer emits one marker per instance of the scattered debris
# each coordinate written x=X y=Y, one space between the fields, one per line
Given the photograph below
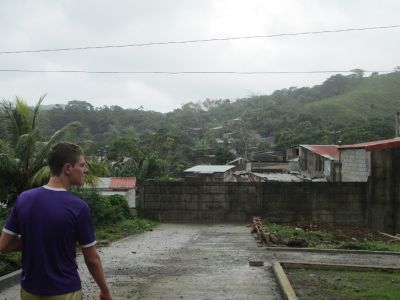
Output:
x=256 y=263
x=297 y=242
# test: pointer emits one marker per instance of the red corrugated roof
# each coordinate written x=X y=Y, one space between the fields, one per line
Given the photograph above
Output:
x=329 y=151
x=122 y=183
x=375 y=145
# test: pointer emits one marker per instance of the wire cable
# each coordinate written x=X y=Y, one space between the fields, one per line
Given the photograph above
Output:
x=185 y=72
x=198 y=40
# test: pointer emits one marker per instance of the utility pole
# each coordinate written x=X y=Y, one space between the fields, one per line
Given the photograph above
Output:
x=335 y=135
x=397 y=124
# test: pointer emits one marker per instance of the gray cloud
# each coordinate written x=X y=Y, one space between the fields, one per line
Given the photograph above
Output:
x=52 y=24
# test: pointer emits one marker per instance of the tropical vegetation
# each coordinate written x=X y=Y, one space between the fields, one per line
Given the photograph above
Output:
x=153 y=145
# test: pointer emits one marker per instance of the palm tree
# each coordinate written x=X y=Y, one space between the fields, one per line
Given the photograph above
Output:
x=23 y=154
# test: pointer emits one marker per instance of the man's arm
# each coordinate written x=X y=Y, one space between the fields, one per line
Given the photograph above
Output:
x=93 y=262
x=9 y=242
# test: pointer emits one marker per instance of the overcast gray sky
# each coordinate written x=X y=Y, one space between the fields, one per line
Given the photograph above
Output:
x=29 y=24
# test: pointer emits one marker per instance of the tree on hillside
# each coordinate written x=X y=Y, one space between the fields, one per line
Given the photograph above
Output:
x=223 y=155
x=358 y=72
x=23 y=152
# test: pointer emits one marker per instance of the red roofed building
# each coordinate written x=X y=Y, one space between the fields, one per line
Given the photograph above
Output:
x=122 y=183
x=317 y=161
x=124 y=186
x=356 y=159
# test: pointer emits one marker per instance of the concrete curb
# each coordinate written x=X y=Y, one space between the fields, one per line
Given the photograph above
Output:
x=10 y=279
x=337 y=267
x=338 y=251
x=283 y=282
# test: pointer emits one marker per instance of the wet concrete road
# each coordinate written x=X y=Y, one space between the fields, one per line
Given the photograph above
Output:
x=178 y=261
x=188 y=262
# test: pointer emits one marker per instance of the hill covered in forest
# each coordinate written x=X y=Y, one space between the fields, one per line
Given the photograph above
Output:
x=349 y=108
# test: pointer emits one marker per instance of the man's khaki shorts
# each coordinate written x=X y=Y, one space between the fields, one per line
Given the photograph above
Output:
x=70 y=296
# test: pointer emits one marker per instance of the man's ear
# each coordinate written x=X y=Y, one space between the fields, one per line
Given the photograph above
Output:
x=67 y=168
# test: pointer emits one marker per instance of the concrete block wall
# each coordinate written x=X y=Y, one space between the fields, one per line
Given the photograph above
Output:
x=384 y=191
x=355 y=165
x=334 y=203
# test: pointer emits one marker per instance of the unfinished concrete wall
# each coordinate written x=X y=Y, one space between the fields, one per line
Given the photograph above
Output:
x=355 y=164
x=384 y=191
x=337 y=203
x=332 y=203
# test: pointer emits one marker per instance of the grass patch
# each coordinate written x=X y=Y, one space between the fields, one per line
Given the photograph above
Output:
x=370 y=245
x=123 y=228
x=329 y=284
x=335 y=237
x=10 y=262
x=314 y=238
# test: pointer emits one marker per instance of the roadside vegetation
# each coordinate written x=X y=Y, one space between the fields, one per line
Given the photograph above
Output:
x=329 y=284
x=333 y=237
x=111 y=216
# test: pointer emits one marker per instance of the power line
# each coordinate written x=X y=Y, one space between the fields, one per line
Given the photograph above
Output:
x=185 y=72
x=198 y=40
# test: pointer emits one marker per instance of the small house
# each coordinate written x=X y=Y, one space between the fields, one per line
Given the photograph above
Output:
x=210 y=173
x=317 y=161
x=356 y=159
x=125 y=186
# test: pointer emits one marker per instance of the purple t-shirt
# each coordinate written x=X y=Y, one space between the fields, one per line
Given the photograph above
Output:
x=50 y=222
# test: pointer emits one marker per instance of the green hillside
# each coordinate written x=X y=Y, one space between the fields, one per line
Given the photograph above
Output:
x=349 y=109
x=346 y=109
x=375 y=97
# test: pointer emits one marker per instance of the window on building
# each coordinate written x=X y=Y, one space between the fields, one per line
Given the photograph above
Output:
x=319 y=166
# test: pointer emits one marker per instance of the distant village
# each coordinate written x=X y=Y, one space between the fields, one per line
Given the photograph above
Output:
x=322 y=163
x=301 y=163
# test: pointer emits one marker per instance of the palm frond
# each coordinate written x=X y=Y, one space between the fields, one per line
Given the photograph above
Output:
x=24 y=145
x=8 y=163
x=96 y=167
x=36 y=111
x=22 y=114
x=91 y=180
x=41 y=177
x=60 y=134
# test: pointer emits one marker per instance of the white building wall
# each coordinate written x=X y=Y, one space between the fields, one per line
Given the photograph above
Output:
x=130 y=196
x=355 y=164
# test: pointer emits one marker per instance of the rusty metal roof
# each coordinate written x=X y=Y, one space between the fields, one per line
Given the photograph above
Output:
x=328 y=151
x=374 y=145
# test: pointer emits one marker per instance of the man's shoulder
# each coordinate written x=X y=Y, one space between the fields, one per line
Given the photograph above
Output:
x=77 y=199
x=32 y=192
x=46 y=192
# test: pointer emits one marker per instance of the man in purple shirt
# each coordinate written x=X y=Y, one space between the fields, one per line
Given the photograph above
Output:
x=45 y=223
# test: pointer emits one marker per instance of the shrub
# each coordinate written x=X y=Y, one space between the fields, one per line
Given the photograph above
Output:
x=105 y=209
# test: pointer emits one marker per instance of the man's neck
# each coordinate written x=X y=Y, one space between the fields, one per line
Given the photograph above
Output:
x=58 y=182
